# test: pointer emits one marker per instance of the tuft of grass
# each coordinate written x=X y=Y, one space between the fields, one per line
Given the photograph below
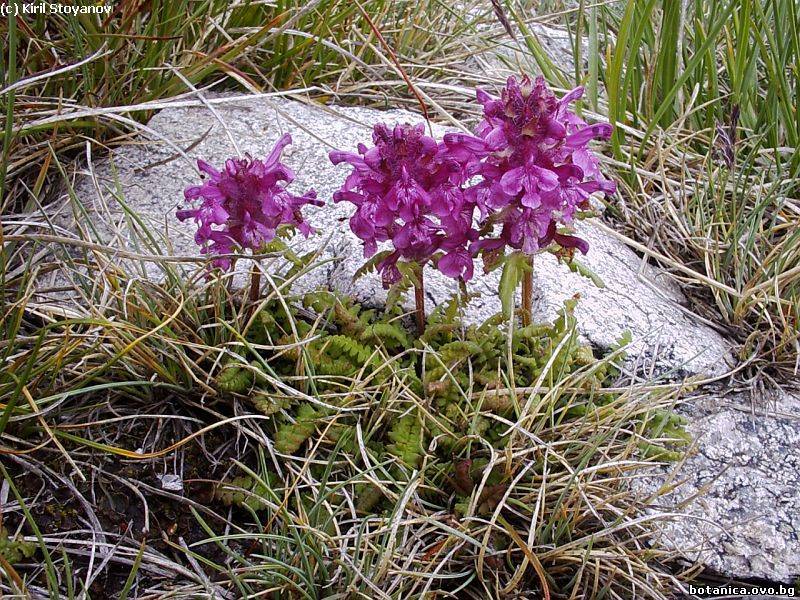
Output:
x=704 y=99
x=364 y=500
x=62 y=72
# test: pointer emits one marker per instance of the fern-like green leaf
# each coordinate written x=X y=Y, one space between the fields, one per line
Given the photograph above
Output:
x=320 y=301
x=459 y=350
x=371 y=264
x=578 y=267
x=406 y=435
x=369 y=495
x=235 y=378
x=15 y=550
x=268 y=404
x=334 y=367
x=242 y=491
x=514 y=266
x=390 y=334
x=341 y=345
x=290 y=436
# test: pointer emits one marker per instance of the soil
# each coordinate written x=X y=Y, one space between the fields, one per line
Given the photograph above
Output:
x=117 y=489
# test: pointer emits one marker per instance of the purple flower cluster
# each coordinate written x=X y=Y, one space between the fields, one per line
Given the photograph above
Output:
x=535 y=170
x=527 y=170
x=408 y=189
x=243 y=205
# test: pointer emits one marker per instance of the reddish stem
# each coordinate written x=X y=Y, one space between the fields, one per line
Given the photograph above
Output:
x=419 y=302
x=254 y=293
x=527 y=295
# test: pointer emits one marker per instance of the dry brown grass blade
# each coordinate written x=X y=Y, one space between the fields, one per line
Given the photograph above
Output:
x=394 y=58
x=12 y=574
x=500 y=13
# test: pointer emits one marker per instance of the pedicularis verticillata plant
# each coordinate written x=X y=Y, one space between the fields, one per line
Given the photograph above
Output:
x=408 y=190
x=243 y=206
x=535 y=172
x=527 y=172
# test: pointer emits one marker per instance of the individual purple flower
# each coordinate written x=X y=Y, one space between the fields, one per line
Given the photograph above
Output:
x=407 y=190
x=242 y=206
x=535 y=171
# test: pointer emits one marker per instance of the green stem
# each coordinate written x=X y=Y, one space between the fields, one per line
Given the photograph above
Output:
x=11 y=77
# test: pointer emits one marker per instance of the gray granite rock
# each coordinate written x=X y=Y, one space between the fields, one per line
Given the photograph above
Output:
x=151 y=175
x=740 y=488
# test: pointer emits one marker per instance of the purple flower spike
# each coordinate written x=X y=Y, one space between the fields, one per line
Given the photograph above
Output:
x=242 y=206
x=408 y=191
x=534 y=168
